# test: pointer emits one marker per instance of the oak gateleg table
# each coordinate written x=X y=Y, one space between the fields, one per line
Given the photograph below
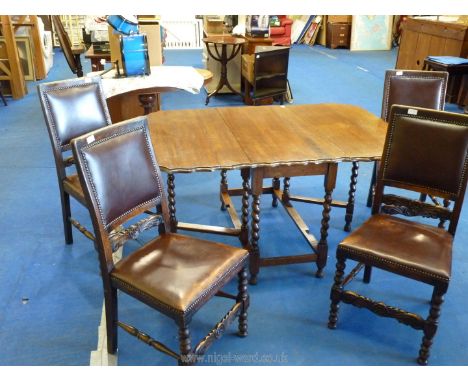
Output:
x=266 y=142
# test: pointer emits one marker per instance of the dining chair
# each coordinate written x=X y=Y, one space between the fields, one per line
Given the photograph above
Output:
x=405 y=87
x=71 y=108
x=425 y=151
x=72 y=53
x=172 y=273
x=418 y=88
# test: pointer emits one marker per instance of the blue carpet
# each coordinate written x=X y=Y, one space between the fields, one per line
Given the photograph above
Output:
x=51 y=294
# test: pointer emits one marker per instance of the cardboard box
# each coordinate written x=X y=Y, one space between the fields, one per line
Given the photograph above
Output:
x=213 y=24
x=114 y=45
x=153 y=36
x=339 y=18
x=248 y=67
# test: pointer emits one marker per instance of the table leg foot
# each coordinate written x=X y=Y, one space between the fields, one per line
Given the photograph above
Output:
x=319 y=273
x=253 y=280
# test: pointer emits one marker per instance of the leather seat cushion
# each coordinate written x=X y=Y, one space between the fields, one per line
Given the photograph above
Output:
x=402 y=246
x=73 y=187
x=177 y=270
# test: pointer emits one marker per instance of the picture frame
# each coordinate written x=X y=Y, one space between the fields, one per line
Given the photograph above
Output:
x=371 y=32
x=23 y=44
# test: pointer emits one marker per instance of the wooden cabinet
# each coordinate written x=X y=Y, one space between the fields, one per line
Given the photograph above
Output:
x=422 y=38
x=338 y=35
x=267 y=72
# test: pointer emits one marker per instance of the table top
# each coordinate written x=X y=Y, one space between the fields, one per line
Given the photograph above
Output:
x=238 y=137
x=91 y=54
x=163 y=78
x=226 y=40
x=258 y=39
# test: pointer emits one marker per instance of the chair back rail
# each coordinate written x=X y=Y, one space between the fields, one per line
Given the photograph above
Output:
x=438 y=165
x=72 y=108
x=122 y=178
x=415 y=88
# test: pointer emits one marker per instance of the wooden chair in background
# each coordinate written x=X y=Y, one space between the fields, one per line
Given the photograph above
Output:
x=406 y=87
x=72 y=53
x=425 y=151
x=71 y=108
x=174 y=274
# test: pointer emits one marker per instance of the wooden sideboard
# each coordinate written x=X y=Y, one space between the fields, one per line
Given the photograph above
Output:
x=422 y=38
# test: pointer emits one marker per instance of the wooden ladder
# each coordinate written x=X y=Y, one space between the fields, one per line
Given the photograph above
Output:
x=11 y=67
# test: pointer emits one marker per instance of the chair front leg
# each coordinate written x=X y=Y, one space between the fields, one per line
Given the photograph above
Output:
x=66 y=215
x=367 y=274
x=432 y=322
x=111 y=307
x=186 y=355
x=243 y=297
x=337 y=289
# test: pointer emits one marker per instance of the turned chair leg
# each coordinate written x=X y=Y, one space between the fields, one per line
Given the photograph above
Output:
x=336 y=291
x=186 y=356
x=243 y=296
x=430 y=328
x=66 y=215
x=111 y=308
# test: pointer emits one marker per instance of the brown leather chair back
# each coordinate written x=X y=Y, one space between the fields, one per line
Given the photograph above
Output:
x=416 y=88
x=437 y=165
x=117 y=163
x=72 y=108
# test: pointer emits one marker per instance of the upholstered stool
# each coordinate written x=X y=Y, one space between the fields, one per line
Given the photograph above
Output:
x=457 y=69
